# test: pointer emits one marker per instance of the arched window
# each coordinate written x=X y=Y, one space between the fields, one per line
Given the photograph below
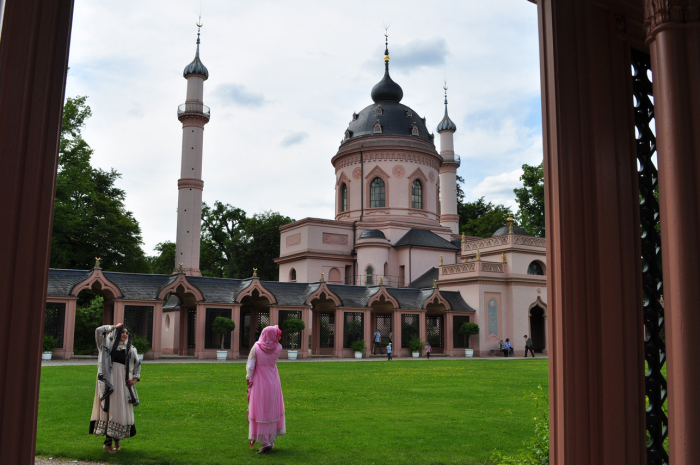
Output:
x=386 y=270
x=377 y=128
x=417 y=194
x=379 y=110
x=348 y=134
x=292 y=274
x=344 y=198
x=377 y=193
x=414 y=131
x=369 y=280
x=535 y=268
x=409 y=113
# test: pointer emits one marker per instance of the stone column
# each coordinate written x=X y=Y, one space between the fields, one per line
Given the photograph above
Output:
x=673 y=33
x=69 y=328
x=157 y=349
x=33 y=63
x=235 y=351
x=596 y=363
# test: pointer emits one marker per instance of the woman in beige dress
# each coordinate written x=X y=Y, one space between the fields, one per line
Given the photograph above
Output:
x=118 y=369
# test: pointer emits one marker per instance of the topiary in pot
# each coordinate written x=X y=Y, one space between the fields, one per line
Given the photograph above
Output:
x=467 y=329
x=49 y=343
x=142 y=345
x=222 y=326
x=293 y=325
x=416 y=345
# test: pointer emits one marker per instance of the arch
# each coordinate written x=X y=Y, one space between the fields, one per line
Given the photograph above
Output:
x=383 y=298
x=334 y=276
x=377 y=129
x=344 y=198
x=323 y=294
x=536 y=267
x=377 y=193
x=417 y=194
x=186 y=292
x=254 y=286
x=537 y=320
x=293 y=275
x=417 y=175
x=436 y=299
x=348 y=134
x=99 y=283
x=386 y=270
x=414 y=130
x=379 y=110
x=369 y=275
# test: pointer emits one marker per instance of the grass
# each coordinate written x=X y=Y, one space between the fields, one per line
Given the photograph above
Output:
x=404 y=412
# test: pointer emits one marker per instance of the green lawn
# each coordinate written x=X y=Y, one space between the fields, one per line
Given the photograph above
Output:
x=407 y=412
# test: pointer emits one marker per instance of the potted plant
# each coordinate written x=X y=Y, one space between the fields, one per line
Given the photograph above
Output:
x=142 y=345
x=417 y=346
x=291 y=326
x=49 y=346
x=467 y=329
x=359 y=347
x=222 y=325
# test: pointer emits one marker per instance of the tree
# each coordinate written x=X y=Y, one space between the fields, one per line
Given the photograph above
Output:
x=261 y=245
x=163 y=263
x=89 y=215
x=530 y=200
x=480 y=218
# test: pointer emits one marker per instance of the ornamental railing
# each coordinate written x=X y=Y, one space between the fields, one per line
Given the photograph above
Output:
x=194 y=108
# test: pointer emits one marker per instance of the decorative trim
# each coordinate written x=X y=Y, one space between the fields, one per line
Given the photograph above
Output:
x=356 y=173
x=293 y=239
x=484 y=243
x=383 y=296
x=191 y=183
x=97 y=277
x=398 y=171
x=531 y=241
x=440 y=299
x=256 y=286
x=334 y=239
x=187 y=288
x=323 y=289
x=660 y=13
x=343 y=178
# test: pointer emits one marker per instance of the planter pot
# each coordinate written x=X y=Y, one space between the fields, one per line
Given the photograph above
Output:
x=415 y=354
x=221 y=355
x=468 y=352
x=358 y=354
x=292 y=354
x=141 y=357
x=46 y=355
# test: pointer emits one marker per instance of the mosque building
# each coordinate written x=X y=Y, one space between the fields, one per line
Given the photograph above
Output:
x=391 y=261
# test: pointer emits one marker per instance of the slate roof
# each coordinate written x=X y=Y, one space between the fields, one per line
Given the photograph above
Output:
x=353 y=296
x=135 y=286
x=223 y=290
x=424 y=238
x=456 y=301
x=290 y=293
x=61 y=282
x=426 y=279
x=503 y=231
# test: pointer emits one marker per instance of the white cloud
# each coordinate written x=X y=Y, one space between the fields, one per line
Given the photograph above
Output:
x=498 y=189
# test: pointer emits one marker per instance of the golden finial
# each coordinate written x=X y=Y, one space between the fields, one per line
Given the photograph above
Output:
x=322 y=274
x=478 y=255
x=255 y=272
x=381 y=280
x=464 y=237
x=386 y=43
x=510 y=224
x=180 y=270
x=97 y=262
x=440 y=260
x=434 y=283
x=503 y=257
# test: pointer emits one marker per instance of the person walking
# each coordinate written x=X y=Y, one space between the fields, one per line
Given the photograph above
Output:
x=265 y=401
x=118 y=370
x=427 y=350
x=377 y=342
x=388 y=352
x=528 y=346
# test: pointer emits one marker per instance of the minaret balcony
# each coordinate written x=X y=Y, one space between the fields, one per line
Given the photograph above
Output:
x=193 y=109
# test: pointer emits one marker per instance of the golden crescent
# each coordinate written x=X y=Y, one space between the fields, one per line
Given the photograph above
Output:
x=199 y=25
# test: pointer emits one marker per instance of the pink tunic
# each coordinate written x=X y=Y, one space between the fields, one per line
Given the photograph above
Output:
x=265 y=402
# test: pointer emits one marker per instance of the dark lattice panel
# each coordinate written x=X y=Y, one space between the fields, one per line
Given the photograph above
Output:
x=212 y=340
x=354 y=328
x=191 y=328
x=327 y=330
x=434 y=330
x=409 y=329
x=293 y=340
x=245 y=330
x=459 y=341
x=263 y=322
x=54 y=321
x=385 y=326
x=652 y=276
x=139 y=320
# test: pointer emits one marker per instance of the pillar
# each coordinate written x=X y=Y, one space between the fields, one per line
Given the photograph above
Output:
x=69 y=329
x=673 y=33
x=157 y=349
x=34 y=44
x=593 y=245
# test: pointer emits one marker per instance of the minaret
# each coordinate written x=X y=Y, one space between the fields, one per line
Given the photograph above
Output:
x=448 y=173
x=194 y=115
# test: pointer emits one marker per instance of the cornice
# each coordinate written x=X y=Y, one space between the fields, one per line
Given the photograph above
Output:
x=662 y=14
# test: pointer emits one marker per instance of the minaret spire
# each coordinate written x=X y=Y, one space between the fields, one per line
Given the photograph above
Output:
x=199 y=27
x=386 y=89
x=448 y=172
x=386 y=48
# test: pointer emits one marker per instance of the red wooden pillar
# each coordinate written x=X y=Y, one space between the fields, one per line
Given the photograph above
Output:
x=33 y=60
x=673 y=31
x=592 y=219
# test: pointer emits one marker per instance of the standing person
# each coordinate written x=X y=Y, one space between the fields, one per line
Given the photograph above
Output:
x=507 y=349
x=388 y=351
x=118 y=369
x=377 y=341
x=528 y=346
x=427 y=350
x=265 y=401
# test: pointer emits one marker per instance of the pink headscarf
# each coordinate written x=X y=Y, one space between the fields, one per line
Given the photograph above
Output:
x=268 y=339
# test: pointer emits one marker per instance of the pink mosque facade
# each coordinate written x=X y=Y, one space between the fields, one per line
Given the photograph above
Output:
x=391 y=261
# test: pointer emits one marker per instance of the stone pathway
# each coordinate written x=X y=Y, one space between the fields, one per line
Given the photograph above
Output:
x=52 y=461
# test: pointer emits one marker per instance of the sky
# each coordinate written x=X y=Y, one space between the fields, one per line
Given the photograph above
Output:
x=284 y=80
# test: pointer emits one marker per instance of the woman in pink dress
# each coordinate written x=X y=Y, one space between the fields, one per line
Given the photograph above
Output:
x=265 y=402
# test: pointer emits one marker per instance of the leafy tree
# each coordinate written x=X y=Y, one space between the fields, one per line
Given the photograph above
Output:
x=530 y=200
x=87 y=317
x=261 y=245
x=480 y=218
x=89 y=215
x=163 y=263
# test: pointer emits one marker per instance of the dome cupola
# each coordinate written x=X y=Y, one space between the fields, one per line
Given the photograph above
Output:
x=446 y=124
x=196 y=67
x=386 y=90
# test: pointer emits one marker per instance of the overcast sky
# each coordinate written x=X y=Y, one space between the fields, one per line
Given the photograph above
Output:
x=284 y=80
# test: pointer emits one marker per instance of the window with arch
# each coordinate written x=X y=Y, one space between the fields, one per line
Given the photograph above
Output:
x=409 y=113
x=292 y=274
x=377 y=128
x=344 y=198
x=535 y=268
x=348 y=134
x=369 y=276
x=417 y=194
x=377 y=193
x=379 y=110
x=414 y=131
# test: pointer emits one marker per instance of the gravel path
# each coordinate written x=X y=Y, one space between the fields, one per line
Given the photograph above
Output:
x=52 y=461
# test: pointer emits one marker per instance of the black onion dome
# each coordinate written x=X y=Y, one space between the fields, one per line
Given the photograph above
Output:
x=196 y=67
x=372 y=234
x=387 y=90
x=394 y=119
x=446 y=124
x=503 y=231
